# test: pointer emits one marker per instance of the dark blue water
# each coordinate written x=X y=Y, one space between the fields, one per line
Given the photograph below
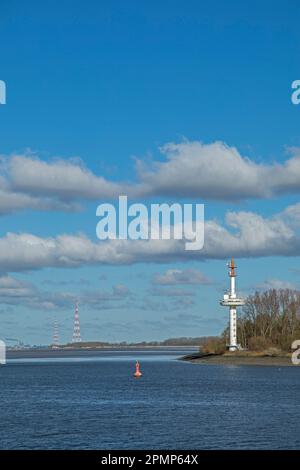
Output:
x=97 y=404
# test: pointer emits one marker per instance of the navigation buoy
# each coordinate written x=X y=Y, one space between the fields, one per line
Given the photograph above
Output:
x=137 y=370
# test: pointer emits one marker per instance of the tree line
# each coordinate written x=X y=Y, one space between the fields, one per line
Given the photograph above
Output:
x=269 y=319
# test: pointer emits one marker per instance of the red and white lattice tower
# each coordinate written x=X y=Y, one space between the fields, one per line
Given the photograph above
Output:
x=76 y=332
x=55 y=339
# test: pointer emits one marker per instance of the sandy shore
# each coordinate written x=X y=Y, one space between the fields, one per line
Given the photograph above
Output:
x=239 y=360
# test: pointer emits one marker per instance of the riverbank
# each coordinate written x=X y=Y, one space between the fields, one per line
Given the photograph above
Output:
x=244 y=358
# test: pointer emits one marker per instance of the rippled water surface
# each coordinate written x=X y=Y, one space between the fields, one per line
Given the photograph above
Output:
x=95 y=403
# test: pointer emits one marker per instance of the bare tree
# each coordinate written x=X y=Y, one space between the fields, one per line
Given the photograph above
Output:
x=270 y=318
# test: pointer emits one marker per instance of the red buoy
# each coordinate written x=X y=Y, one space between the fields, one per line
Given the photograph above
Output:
x=137 y=370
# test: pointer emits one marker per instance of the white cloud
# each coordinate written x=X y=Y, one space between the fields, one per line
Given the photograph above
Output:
x=276 y=284
x=170 y=292
x=292 y=215
x=64 y=179
x=245 y=234
x=190 y=169
x=13 y=288
x=20 y=293
x=178 y=277
x=216 y=171
x=27 y=182
x=11 y=202
x=120 y=290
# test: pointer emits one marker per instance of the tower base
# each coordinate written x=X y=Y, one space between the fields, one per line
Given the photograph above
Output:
x=232 y=347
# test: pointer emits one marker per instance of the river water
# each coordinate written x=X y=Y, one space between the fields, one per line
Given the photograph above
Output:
x=96 y=403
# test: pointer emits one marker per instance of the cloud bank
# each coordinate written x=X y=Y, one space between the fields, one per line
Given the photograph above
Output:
x=244 y=234
x=216 y=171
x=190 y=169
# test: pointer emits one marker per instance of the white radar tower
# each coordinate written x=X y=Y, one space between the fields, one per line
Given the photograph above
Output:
x=232 y=301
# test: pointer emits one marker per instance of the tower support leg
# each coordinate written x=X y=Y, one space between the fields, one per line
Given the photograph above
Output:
x=232 y=330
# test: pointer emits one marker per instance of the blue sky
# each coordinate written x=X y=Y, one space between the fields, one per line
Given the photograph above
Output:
x=96 y=85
